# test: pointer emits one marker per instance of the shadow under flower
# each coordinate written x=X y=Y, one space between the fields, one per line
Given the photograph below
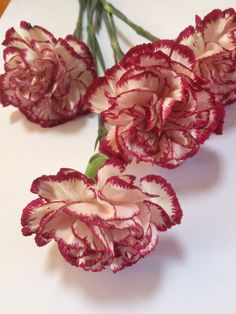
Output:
x=140 y=280
x=69 y=127
x=196 y=174
x=230 y=117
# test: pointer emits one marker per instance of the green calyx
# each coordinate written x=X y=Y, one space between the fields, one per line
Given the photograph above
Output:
x=94 y=164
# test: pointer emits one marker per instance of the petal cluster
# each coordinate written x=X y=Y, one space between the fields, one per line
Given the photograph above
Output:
x=111 y=221
x=46 y=78
x=156 y=109
x=213 y=41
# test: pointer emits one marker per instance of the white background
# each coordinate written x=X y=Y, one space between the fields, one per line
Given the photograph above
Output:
x=192 y=271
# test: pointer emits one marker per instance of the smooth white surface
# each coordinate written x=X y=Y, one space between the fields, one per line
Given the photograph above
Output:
x=192 y=271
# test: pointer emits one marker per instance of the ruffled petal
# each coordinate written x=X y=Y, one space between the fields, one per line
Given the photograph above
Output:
x=99 y=210
x=166 y=197
x=72 y=187
x=34 y=212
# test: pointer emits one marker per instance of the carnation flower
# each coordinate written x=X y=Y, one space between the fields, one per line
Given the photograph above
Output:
x=213 y=41
x=113 y=220
x=155 y=107
x=45 y=77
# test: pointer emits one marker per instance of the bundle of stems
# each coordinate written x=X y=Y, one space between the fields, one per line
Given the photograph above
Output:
x=92 y=15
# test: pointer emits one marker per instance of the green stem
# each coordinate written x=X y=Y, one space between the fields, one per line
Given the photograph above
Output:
x=102 y=132
x=78 y=32
x=93 y=7
x=109 y=8
x=98 y=17
x=90 y=27
x=111 y=29
x=99 y=54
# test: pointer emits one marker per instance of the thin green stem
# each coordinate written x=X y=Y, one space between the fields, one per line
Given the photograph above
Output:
x=102 y=132
x=109 y=8
x=90 y=27
x=93 y=7
x=111 y=29
x=94 y=18
x=78 y=32
x=120 y=53
x=99 y=54
x=98 y=17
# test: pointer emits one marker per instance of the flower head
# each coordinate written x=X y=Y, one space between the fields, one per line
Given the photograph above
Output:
x=213 y=41
x=45 y=77
x=154 y=105
x=111 y=221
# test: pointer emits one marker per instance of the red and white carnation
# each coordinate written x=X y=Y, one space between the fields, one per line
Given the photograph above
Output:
x=45 y=77
x=111 y=221
x=155 y=107
x=213 y=41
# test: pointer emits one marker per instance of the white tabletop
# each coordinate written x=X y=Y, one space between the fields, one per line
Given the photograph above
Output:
x=192 y=271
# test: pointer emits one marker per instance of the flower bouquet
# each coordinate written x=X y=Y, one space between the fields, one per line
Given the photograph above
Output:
x=159 y=102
